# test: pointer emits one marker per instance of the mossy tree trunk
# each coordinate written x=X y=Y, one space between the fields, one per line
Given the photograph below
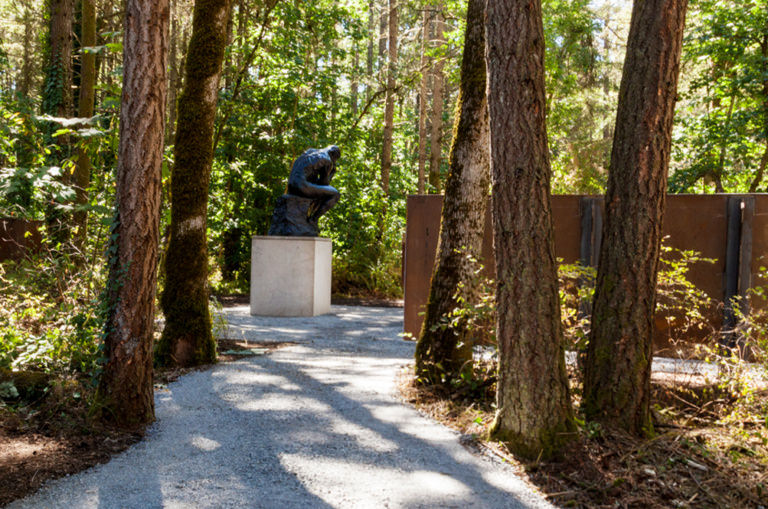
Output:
x=534 y=415
x=57 y=102
x=126 y=395
x=82 y=175
x=57 y=89
x=618 y=364
x=444 y=352
x=187 y=339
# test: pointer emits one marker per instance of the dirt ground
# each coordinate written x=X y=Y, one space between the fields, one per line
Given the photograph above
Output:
x=55 y=437
x=701 y=454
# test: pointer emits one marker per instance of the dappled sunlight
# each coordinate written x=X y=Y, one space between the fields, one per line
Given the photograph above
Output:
x=204 y=444
x=277 y=403
x=417 y=487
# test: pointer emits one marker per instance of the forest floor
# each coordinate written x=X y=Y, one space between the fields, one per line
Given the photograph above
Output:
x=706 y=452
x=54 y=436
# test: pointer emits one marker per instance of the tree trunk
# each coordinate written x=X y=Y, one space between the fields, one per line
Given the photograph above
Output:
x=717 y=173
x=125 y=392
x=57 y=102
x=423 y=102
x=187 y=338
x=760 y=170
x=25 y=83
x=383 y=27
x=438 y=85
x=618 y=364
x=354 y=86
x=389 y=107
x=369 y=54
x=534 y=415
x=57 y=91
x=443 y=353
x=228 y=69
x=764 y=160
x=173 y=78
x=82 y=176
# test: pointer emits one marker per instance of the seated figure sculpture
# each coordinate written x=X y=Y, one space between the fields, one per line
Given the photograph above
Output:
x=310 y=194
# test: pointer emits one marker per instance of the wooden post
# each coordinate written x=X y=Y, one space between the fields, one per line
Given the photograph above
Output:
x=585 y=246
x=738 y=264
x=591 y=210
x=745 y=250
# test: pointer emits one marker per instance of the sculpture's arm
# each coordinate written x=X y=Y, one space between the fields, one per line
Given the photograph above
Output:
x=327 y=172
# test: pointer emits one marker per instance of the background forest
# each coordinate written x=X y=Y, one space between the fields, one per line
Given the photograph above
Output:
x=308 y=74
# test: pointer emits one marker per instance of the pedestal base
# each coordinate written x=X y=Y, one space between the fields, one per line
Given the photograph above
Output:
x=290 y=276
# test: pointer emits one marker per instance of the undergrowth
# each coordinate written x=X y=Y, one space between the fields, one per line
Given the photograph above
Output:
x=712 y=447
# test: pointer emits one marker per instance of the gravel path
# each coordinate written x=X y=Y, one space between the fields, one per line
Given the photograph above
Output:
x=313 y=425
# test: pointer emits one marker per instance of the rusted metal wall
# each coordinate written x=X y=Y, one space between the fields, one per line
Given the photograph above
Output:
x=18 y=237
x=692 y=222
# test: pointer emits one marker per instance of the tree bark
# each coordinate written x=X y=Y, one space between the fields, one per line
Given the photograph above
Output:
x=389 y=105
x=187 y=339
x=25 y=83
x=444 y=353
x=125 y=394
x=438 y=90
x=534 y=415
x=82 y=175
x=369 y=53
x=618 y=364
x=354 y=85
x=760 y=169
x=173 y=77
x=57 y=91
x=383 y=28
x=57 y=102
x=764 y=160
x=423 y=102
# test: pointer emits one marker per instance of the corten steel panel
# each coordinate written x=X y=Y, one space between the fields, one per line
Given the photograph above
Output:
x=18 y=238
x=422 y=232
x=759 y=235
x=698 y=223
x=693 y=222
x=565 y=211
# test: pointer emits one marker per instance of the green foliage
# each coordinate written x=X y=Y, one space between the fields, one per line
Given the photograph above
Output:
x=300 y=97
x=723 y=119
x=8 y=391
x=682 y=304
x=476 y=316
x=679 y=303
x=49 y=322
x=581 y=86
x=577 y=288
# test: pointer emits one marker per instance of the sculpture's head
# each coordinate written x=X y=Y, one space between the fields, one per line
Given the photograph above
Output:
x=334 y=152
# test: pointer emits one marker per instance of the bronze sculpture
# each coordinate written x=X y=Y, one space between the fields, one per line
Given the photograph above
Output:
x=310 y=194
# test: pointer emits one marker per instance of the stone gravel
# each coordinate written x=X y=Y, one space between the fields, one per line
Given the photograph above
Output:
x=313 y=425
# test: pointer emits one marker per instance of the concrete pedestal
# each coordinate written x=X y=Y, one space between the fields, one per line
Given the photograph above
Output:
x=290 y=276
